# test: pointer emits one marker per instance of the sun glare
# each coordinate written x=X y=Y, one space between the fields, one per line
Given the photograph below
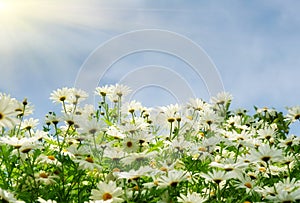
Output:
x=2 y=6
x=13 y=12
x=7 y=10
x=6 y=7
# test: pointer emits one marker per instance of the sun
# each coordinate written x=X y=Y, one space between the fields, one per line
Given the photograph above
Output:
x=8 y=10
x=14 y=12
x=3 y=6
x=7 y=6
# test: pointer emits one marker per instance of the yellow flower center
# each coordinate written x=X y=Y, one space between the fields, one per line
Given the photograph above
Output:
x=51 y=158
x=248 y=185
x=266 y=158
x=63 y=98
x=171 y=120
x=89 y=159
x=26 y=150
x=262 y=169
x=163 y=169
x=43 y=175
x=116 y=170
x=106 y=196
x=129 y=144
x=174 y=184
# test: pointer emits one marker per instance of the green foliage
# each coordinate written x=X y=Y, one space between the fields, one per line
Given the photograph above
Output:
x=124 y=152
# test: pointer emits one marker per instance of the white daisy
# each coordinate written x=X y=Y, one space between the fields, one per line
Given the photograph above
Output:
x=6 y=196
x=107 y=192
x=41 y=200
x=172 y=178
x=293 y=114
x=216 y=176
x=61 y=95
x=266 y=154
x=7 y=111
x=191 y=198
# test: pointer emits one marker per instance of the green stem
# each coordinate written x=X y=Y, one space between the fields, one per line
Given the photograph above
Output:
x=237 y=154
x=289 y=171
x=35 y=185
x=219 y=193
x=64 y=106
x=171 y=128
x=21 y=120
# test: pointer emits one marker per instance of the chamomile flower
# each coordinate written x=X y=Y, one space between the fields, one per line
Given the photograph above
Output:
x=144 y=138
x=16 y=142
x=50 y=159
x=288 y=185
x=165 y=166
x=114 y=153
x=191 y=198
x=235 y=121
x=103 y=90
x=134 y=174
x=209 y=118
x=152 y=183
x=23 y=108
x=29 y=124
x=284 y=196
x=266 y=111
x=222 y=98
x=230 y=165
x=114 y=132
x=6 y=196
x=70 y=120
x=138 y=157
x=46 y=178
x=77 y=96
x=52 y=118
x=133 y=107
x=117 y=92
x=170 y=113
x=239 y=139
x=85 y=112
x=267 y=133
x=107 y=192
x=197 y=104
x=139 y=126
x=245 y=181
x=289 y=141
x=91 y=126
x=100 y=201
x=27 y=147
x=61 y=95
x=216 y=176
x=172 y=178
x=8 y=115
x=130 y=144
x=293 y=114
x=88 y=164
x=179 y=145
x=41 y=200
x=265 y=153
x=77 y=151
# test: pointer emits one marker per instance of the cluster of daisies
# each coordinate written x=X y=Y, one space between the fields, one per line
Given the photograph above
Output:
x=123 y=151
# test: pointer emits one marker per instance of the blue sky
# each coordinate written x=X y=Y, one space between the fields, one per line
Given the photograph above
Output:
x=255 y=45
